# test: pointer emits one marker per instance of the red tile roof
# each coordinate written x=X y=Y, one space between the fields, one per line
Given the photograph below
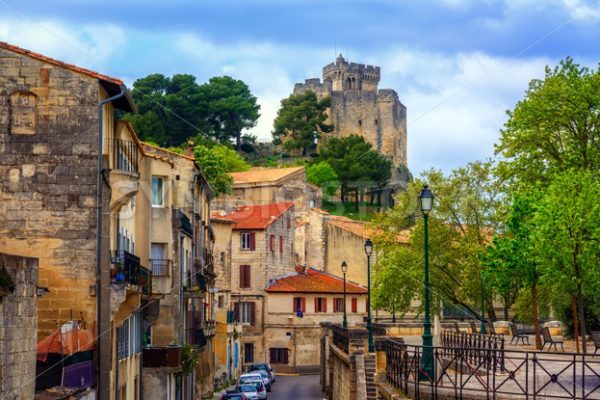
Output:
x=314 y=281
x=62 y=64
x=258 y=216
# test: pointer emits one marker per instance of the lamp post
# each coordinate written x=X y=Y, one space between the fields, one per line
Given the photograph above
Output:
x=344 y=270
x=427 y=367
x=369 y=251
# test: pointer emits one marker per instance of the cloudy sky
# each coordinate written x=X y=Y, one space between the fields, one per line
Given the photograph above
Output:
x=457 y=65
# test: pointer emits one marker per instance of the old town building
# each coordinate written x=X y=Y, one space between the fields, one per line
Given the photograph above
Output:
x=261 y=247
x=137 y=270
x=296 y=305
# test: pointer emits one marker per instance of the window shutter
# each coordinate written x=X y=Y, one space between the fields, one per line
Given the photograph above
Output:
x=354 y=305
x=324 y=304
x=285 y=356
x=242 y=276
x=272 y=243
x=252 y=241
x=316 y=304
x=252 y=313
x=281 y=244
x=248 y=277
x=303 y=305
x=236 y=312
x=272 y=353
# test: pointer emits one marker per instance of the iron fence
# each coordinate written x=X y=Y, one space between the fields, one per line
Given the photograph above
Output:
x=480 y=349
x=526 y=375
x=125 y=155
x=161 y=267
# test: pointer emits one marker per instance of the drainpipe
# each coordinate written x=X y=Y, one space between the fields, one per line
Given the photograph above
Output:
x=193 y=261
x=103 y=342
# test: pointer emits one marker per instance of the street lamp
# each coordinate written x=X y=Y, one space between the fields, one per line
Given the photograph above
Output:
x=427 y=367
x=369 y=251
x=344 y=270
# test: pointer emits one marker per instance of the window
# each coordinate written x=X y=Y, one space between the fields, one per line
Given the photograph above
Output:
x=221 y=301
x=247 y=241
x=160 y=263
x=245 y=312
x=222 y=256
x=272 y=243
x=157 y=191
x=360 y=122
x=338 y=305
x=354 y=304
x=245 y=277
x=278 y=356
x=320 y=304
x=376 y=122
x=288 y=221
x=129 y=340
x=280 y=244
x=248 y=352
x=299 y=304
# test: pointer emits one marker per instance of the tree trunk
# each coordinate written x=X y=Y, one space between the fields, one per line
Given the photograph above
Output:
x=536 y=319
x=362 y=196
x=505 y=309
x=342 y=194
x=356 y=198
x=238 y=141
x=582 y=319
x=575 y=323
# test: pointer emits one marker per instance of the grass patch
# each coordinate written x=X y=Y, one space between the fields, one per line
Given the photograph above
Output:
x=365 y=211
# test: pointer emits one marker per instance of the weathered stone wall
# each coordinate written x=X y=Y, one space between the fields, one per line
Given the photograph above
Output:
x=18 y=329
x=48 y=153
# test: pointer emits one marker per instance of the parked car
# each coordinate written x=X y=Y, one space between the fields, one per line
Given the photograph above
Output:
x=233 y=395
x=265 y=367
x=250 y=376
x=249 y=390
x=266 y=379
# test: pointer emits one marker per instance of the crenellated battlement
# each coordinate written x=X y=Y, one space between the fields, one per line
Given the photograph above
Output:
x=351 y=76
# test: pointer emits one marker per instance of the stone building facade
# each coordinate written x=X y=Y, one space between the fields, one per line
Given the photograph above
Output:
x=296 y=306
x=18 y=330
x=358 y=107
x=261 y=249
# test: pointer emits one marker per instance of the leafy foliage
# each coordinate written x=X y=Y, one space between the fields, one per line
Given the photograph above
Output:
x=300 y=121
x=322 y=175
x=216 y=163
x=173 y=110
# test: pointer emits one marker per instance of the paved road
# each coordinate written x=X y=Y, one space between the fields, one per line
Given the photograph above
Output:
x=304 y=387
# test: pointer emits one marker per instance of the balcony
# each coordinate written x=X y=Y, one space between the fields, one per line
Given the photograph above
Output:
x=161 y=267
x=196 y=336
x=126 y=269
x=210 y=328
x=162 y=357
x=125 y=156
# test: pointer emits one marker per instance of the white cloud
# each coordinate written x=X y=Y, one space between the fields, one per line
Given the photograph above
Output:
x=88 y=46
x=583 y=11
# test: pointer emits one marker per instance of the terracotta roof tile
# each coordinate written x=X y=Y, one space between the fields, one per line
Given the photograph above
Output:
x=258 y=216
x=258 y=175
x=62 y=64
x=314 y=281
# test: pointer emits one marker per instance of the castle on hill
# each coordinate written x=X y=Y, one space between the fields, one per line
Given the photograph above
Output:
x=358 y=107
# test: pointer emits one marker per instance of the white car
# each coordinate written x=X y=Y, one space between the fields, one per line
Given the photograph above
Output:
x=249 y=390
x=257 y=380
x=265 y=378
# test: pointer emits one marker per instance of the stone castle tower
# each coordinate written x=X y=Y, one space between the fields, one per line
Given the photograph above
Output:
x=358 y=107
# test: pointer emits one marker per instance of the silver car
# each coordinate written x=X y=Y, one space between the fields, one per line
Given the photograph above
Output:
x=249 y=390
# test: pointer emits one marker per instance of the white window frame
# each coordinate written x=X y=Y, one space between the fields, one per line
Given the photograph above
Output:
x=245 y=311
x=162 y=191
x=245 y=240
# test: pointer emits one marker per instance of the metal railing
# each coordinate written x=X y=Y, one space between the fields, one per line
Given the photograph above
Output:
x=126 y=268
x=526 y=375
x=477 y=345
x=125 y=155
x=161 y=266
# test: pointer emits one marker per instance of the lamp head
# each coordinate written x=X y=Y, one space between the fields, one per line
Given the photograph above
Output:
x=426 y=200
x=344 y=267
x=368 y=247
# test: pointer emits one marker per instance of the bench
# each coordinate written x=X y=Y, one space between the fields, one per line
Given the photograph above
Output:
x=491 y=330
x=596 y=339
x=548 y=339
x=517 y=335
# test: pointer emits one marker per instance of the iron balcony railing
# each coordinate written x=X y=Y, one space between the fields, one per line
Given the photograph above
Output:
x=125 y=155
x=161 y=267
x=126 y=268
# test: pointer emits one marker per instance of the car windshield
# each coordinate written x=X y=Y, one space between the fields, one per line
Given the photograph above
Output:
x=245 y=379
x=247 y=388
x=262 y=373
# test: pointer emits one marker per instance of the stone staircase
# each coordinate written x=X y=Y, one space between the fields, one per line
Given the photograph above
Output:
x=370 y=375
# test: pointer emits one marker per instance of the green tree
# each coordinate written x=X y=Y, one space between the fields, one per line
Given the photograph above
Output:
x=170 y=110
x=216 y=163
x=356 y=164
x=230 y=108
x=566 y=235
x=300 y=121
x=555 y=127
x=322 y=175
